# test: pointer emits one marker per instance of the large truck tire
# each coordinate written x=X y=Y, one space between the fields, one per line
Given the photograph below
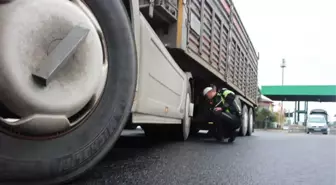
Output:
x=244 y=126
x=54 y=159
x=177 y=132
x=181 y=132
x=250 y=121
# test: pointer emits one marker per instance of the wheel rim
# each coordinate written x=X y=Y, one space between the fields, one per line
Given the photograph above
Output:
x=186 y=120
x=251 y=121
x=245 y=122
x=33 y=103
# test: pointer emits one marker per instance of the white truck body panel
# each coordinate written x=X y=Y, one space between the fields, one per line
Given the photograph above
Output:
x=161 y=84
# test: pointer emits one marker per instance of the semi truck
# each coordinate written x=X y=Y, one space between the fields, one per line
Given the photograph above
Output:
x=74 y=73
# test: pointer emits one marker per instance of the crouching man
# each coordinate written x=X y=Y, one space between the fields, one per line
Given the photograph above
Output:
x=226 y=113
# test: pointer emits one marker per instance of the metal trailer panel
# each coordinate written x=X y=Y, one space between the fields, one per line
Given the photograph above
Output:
x=216 y=35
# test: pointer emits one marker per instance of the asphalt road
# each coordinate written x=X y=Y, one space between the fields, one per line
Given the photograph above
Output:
x=267 y=158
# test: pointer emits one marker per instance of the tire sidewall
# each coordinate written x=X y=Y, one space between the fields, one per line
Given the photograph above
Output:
x=63 y=158
x=244 y=128
x=250 y=122
x=186 y=121
x=186 y=131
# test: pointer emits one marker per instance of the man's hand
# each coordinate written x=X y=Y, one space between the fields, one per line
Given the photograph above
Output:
x=218 y=109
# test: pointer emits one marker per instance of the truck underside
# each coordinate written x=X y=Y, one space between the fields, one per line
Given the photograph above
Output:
x=214 y=48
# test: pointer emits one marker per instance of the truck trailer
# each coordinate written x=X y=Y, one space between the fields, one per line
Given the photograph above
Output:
x=74 y=73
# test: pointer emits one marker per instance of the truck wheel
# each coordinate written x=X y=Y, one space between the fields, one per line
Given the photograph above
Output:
x=67 y=125
x=186 y=122
x=244 y=127
x=178 y=132
x=250 y=122
x=182 y=131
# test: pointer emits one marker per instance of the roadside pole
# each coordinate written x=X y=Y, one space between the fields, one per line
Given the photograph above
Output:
x=283 y=65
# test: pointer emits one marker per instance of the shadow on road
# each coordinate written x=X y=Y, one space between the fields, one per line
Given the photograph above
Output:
x=127 y=149
x=133 y=147
x=130 y=145
x=135 y=141
x=203 y=137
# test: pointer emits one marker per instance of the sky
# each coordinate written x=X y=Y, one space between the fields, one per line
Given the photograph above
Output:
x=303 y=32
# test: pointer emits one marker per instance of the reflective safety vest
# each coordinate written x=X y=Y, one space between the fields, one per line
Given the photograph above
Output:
x=223 y=94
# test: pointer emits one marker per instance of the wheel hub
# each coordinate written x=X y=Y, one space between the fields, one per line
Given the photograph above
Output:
x=186 y=121
x=251 y=121
x=245 y=122
x=30 y=31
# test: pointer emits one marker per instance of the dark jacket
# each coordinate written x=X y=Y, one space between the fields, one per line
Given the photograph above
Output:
x=226 y=100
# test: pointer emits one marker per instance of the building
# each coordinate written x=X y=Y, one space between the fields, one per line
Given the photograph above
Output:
x=265 y=103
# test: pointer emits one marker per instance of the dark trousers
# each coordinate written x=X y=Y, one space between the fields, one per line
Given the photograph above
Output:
x=226 y=123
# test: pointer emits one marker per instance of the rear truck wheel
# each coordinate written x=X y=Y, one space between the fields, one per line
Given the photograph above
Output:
x=250 y=121
x=68 y=73
x=244 y=127
x=182 y=131
x=178 y=132
x=254 y=116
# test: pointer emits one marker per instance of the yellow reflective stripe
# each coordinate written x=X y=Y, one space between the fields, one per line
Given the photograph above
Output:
x=223 y=101
x=226 y=92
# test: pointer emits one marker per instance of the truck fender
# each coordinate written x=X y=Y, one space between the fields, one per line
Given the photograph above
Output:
x=189 y=75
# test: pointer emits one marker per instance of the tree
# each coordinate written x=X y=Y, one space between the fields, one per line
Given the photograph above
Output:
x=264 y=115
x=280 y=117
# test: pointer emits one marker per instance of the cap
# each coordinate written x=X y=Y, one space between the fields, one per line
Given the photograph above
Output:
x=206 y=90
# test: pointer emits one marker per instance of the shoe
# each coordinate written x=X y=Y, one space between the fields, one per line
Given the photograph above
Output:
x=233 y=137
